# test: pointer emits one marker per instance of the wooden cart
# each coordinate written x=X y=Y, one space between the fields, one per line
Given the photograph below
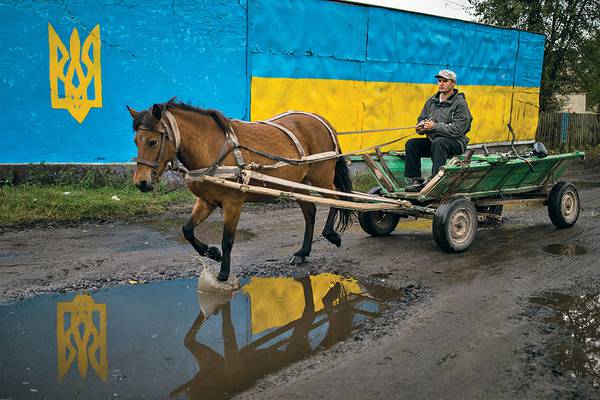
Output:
x=469 y=189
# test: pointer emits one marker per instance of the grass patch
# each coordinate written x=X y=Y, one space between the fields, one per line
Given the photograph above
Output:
x=26 y=204
x=66 y=202
x=363 y=182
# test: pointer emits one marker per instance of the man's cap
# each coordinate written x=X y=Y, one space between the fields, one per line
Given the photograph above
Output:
x=446 y=74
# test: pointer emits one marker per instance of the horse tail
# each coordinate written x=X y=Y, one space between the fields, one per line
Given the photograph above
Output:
x=343 y=183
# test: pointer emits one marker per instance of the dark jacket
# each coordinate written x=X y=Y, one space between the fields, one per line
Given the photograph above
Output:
x=452 y=117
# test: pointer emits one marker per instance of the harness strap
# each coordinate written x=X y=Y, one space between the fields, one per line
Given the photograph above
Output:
x=333 y=137
x=172 y=129
x=287 y=132
x=231 y=137
x=173 y=132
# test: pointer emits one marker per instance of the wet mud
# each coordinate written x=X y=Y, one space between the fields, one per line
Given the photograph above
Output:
x=563 y=347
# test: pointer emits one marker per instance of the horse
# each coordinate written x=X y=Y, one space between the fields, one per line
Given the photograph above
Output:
x=203 y=141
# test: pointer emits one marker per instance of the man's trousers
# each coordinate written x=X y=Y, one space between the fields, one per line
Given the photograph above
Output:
x=440 y=149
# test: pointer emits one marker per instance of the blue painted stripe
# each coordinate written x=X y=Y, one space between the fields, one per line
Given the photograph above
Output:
x=332 y=40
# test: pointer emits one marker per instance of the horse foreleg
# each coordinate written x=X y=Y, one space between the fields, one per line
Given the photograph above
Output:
x=231 y=217
x=329 y=231
x=309 y=210
x=200 y=212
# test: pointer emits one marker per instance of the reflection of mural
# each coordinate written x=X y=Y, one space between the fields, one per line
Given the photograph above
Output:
x=278 y=301
x=72 y=71
x=78 y=336
x=289 y=318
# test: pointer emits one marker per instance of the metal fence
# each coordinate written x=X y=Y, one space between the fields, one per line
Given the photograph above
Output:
x=557 y=130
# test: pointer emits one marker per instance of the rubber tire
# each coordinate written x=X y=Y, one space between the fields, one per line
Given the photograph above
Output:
x=563 y=205
x=443 y=219
x=377 y=223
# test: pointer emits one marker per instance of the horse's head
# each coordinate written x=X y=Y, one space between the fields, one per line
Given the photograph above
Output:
x=155 y=148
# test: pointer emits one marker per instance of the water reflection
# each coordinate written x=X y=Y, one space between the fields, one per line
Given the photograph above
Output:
x=579 y=317
x=289 y=319
x=81 y=336
x=567 y=249
x=164 y=339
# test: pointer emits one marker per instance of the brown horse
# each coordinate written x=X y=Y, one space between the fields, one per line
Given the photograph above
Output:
x=202 y=144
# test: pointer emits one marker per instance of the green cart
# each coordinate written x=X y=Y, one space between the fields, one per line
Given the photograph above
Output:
x=472 y=189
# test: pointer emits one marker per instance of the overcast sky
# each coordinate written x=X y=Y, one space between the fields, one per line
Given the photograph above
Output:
x=440 y=8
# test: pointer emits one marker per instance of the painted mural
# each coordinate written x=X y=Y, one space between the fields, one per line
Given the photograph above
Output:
x=75 y=73
x=360 y=67
x=371 y=68
x=150 y=52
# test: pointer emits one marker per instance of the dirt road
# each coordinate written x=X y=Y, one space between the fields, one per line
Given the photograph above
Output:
x=473 y=333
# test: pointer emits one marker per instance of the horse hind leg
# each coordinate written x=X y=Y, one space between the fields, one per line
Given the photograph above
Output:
x=328 y=230
x=309 y=210
x=338 y=180
x=200 y=212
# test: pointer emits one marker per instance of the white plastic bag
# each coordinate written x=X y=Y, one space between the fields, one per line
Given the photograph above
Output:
x=208 y=283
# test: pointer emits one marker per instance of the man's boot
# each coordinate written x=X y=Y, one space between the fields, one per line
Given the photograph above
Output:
x=416 y=185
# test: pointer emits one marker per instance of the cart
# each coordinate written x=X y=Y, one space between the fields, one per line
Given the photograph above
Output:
x=471 y=189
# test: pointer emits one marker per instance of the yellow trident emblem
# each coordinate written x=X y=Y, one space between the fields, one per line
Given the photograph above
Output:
x=70 y=84
x=81 y=338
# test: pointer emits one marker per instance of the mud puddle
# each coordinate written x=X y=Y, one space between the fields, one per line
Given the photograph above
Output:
x=576 y=319
x=164 y=339
x=565 y=249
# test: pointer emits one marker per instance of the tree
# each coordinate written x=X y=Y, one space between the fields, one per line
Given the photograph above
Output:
x=587 y=71
x=570 y=26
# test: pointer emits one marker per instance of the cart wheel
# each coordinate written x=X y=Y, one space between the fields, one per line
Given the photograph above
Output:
x=378 y=223
x=454 y=225
x=563 y=205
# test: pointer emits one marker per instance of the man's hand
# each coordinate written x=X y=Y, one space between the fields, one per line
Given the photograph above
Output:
x=428 y=125
x=419 y=128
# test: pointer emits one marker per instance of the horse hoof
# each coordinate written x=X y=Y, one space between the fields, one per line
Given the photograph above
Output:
x=334 y=238
x=297 y=260
x=214 y=254
x=222 y=277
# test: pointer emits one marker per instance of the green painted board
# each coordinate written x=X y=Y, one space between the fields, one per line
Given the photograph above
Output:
x=487 y=175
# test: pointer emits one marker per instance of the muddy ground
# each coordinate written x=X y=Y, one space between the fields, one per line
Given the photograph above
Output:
x=467 y=330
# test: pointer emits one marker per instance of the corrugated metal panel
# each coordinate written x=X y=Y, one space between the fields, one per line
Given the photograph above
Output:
x=498 y=69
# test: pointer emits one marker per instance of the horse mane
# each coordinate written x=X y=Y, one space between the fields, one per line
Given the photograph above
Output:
x=145 y=117
x=221 y=120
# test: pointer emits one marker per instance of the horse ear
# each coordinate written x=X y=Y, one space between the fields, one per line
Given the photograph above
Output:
x=157 y=110
x=132 y=112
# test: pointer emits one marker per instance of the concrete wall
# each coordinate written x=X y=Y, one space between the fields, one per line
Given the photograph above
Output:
x=67 y=69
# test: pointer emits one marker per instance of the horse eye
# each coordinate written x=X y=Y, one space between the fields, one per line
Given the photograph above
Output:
x=152 y=142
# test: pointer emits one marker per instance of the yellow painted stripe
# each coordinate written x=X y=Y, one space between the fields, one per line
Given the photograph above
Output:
x=357 y=105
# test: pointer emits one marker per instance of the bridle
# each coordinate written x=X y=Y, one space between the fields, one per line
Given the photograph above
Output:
x=171 y=133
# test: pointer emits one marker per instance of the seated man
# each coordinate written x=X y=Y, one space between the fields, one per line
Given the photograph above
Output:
x=445 y=120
